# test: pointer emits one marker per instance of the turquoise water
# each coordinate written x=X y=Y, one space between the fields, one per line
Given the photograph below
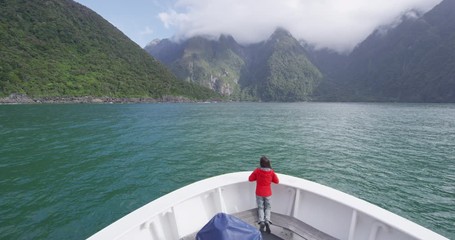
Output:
x=66 y=171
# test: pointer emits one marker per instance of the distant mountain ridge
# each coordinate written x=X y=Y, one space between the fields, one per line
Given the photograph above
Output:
x=61 y=48
x=253 y=72
x=411 y=62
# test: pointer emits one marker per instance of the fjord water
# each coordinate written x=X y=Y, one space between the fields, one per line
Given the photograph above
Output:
x=69 y=170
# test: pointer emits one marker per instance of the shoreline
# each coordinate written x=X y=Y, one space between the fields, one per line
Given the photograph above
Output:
x=24 y=99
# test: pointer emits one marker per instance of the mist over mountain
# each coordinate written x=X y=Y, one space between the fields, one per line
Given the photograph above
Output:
x=338 y=25
x=412 y=60
x=273 y=70
x=279 y=70
x=60 y=48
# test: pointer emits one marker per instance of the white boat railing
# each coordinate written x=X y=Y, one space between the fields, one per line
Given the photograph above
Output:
x=188 y=209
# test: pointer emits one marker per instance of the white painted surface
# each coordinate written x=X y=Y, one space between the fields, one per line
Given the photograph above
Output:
x=188 y=209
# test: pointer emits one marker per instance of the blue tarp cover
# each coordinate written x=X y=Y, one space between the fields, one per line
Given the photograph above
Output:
x=226 y=227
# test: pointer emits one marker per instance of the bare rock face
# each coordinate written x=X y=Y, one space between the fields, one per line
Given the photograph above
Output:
x=16 y=98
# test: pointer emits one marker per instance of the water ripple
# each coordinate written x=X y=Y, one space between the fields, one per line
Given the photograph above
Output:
x=69 y=170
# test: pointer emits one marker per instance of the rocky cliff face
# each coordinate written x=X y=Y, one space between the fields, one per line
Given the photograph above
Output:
x=215 y=64
x=274 y=70
x=413 y=61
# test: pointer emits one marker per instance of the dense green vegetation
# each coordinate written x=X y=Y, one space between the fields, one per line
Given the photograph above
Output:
x=61 y=48
x=411 y=62
x=282 y=71
x=215 y=64
x=274 y=70
x=210 y=64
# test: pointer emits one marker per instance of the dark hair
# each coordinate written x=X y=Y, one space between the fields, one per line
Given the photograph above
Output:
x=265 y=162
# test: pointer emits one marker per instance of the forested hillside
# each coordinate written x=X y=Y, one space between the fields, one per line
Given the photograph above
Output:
x=215 y=64
x=61 y=48
x=279 y=70
x=412 y=61
x=273 y=70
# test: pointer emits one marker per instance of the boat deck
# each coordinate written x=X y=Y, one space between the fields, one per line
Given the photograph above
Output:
x=300 y=207
x=283 y=228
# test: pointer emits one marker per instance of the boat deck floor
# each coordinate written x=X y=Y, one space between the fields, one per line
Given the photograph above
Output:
x=283 y=228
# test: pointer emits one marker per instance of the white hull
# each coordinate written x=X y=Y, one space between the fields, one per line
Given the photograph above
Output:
x=185 y=211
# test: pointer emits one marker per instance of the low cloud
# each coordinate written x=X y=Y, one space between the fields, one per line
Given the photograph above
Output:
x=336 y=24
x=147 y=31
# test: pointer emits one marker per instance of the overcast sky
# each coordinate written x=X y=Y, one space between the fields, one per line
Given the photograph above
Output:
x=335 y=24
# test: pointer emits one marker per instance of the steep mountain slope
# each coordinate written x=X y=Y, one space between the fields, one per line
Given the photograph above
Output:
x=274 y=70
x=215 y=64
x=279 y=70
x=413 y=62
x=61 y=48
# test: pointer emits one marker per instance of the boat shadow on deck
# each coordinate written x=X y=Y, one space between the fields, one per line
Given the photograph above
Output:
x=283 y=228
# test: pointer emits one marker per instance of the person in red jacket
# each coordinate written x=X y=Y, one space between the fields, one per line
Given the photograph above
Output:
x=264 y=176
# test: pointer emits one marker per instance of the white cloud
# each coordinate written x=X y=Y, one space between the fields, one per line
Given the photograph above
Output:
x=147 y=31
x=335 y=24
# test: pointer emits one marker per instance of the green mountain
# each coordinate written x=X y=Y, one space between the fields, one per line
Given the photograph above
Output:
x=274 y=70
x=209 y=63
x=412 y=62
x=278 y=70
x=61 y=48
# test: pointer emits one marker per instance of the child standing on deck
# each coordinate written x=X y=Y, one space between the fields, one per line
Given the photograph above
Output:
x=264 y=176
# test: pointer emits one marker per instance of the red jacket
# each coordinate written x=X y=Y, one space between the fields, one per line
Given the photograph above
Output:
x=263 y=178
